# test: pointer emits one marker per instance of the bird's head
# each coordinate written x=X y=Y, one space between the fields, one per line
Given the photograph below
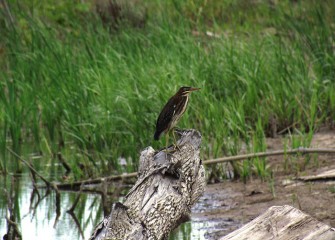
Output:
x=184 y=91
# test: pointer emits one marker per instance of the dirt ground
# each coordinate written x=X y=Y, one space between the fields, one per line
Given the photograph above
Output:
x=228 y=205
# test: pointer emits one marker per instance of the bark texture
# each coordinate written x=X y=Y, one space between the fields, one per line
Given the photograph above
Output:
x=283 y=223
x=168 y=184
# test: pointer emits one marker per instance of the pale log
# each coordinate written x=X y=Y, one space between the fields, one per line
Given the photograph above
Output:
x=283 y=223
x=168 y=184
x=323 y=176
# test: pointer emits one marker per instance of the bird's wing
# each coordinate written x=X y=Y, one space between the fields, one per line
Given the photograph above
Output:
x=165 y=118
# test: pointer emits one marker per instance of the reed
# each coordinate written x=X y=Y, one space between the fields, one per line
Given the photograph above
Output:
x=100 y=90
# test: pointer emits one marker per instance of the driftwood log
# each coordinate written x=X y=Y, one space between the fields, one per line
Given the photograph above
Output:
x=323 y=176
x=168 y=184
x=283 y=223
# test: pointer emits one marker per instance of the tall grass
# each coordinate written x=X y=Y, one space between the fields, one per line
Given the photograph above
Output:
x=100 y=91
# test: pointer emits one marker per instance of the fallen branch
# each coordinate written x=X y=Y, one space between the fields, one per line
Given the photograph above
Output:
x=76 y=185
x=48 y=184
x=269 y=154
x=32 y=169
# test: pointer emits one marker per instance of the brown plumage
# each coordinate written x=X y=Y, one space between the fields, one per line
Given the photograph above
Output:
x=172 y=111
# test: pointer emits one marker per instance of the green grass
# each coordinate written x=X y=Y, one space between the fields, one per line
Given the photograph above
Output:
x=68 y=78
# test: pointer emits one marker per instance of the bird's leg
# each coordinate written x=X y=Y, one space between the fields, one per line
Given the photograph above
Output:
x=166 y=141
x=175 y=141
x=167 y=150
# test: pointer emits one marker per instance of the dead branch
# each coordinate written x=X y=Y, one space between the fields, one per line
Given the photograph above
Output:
x=35 y=172
x=47 y=183
x=31 y=168
x=76 y=185
x=268 y=154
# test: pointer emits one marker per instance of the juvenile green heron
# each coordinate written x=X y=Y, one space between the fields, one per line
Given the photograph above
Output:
x=172 y=112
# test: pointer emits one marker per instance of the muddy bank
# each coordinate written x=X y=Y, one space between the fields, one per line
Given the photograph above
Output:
x=228 y=205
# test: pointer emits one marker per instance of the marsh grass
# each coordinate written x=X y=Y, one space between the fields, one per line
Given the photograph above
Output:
x=70 y=79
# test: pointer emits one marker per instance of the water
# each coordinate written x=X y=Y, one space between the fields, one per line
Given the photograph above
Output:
x=40 y=222
x=38 y=219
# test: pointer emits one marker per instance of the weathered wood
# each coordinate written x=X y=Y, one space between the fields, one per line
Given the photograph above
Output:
x=300 y=150
x=283 y=223
x=168 y=184
x=324 y=176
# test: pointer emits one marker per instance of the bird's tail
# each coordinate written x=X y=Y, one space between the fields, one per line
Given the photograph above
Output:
x=157 y=135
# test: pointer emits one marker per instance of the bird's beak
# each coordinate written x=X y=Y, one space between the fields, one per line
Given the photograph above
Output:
x=193 y=89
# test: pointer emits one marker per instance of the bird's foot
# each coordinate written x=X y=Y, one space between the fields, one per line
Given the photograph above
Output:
x=176 y=147
x=168 y=152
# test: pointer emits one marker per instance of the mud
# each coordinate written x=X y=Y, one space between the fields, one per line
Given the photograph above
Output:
x=228 y=205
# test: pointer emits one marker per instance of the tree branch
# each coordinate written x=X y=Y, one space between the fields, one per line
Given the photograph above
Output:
x=30 y=167
x=268 y=154
x=76 y=185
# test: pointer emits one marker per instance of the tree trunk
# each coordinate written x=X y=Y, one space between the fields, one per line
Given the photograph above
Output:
x=169 y=183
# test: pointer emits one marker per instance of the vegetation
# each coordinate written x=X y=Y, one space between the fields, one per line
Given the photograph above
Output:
x=90 y=84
